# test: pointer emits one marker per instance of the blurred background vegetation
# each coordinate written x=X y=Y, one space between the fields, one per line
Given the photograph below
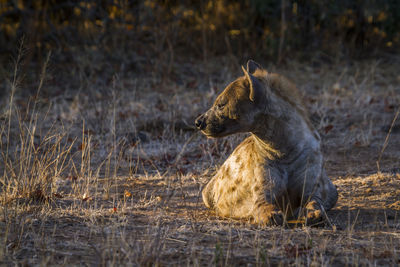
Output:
x=164 y=32
x=203 y=28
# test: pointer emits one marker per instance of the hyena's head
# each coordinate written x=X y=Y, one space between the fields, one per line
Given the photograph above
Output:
x=235 y=108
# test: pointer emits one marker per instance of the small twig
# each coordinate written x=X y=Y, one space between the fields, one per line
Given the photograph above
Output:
x=391 y=233
x=386 y=140
x=176 y=240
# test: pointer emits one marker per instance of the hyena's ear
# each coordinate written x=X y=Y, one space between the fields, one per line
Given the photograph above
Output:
x=252 y=66
x=254 y=84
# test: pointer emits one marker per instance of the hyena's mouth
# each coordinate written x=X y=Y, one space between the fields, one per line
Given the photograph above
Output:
x=214 y=131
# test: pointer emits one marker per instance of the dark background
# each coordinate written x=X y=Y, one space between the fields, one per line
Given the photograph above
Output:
x=136 y=37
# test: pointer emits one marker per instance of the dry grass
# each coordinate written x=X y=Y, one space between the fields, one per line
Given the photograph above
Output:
x=111 y=174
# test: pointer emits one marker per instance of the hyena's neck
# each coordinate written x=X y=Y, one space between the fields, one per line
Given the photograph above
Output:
x=283 y=137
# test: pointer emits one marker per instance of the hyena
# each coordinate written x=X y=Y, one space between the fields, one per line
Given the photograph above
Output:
x=277 y=172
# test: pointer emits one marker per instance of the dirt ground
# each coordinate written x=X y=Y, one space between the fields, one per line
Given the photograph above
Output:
x=109 y=170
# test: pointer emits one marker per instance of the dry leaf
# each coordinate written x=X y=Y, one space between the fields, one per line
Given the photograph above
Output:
x=127 y=193
x=86 y=197
x=357 y=143
x=388 y=107
x=328 y=128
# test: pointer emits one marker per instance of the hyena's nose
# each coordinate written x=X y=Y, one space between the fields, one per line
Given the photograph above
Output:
x=200 y=122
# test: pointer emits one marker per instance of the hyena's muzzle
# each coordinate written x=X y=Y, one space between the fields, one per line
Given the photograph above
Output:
x=215 y=125
x=210 y=124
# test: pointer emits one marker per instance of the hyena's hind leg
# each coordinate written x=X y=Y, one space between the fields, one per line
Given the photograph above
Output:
x=323 y=200
x=315 y=202
x=316 y=206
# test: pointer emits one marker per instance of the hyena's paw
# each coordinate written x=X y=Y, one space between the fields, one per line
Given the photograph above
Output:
x=313 y=213
x=268 y=214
